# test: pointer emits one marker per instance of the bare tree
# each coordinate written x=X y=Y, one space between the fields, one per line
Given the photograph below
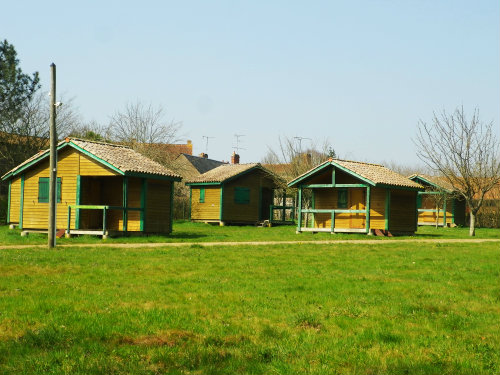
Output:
x=465 y=152
x=144 y=128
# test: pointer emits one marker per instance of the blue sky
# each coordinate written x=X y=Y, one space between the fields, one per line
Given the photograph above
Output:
x=357 y=73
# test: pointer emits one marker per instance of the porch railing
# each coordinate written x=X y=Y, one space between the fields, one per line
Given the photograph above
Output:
x=332 y=213
x=281 y=209
x=104 y=209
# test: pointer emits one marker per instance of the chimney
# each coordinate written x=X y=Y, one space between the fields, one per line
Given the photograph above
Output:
x=235 y=158
x=203 y=155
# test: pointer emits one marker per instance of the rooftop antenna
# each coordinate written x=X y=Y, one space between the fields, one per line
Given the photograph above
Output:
x=206 y=144
x=300 y=139
x=237 y=147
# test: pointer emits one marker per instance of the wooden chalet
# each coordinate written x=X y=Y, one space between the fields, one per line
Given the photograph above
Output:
x=102 y=189
x=232 y=194
x=438 y=204
x=355 y=197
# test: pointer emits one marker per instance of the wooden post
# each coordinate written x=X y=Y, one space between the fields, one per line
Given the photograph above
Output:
x=444 y=211
x=367 y=219
x=78 y=202
x=53 y=161
x=283 y=216
x=387 y=208
x=299 y=213
x=125 y=203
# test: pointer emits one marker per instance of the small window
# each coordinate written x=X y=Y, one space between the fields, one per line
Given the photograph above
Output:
x=43 y=189
x=242 y=195
x=202 y=195
x=342 y=198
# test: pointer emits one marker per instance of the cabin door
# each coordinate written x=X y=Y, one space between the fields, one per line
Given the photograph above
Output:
x=357 y=199
x=265 y=201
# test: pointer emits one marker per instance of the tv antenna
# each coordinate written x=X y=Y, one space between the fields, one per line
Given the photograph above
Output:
x=206 y=144
x=300 y=139
x=237 y=147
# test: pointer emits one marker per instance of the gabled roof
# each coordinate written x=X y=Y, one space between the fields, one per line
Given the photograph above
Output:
x=372 y=174
x=439 y=183
x=121 y=159
x=203 y=165
x=227 y=172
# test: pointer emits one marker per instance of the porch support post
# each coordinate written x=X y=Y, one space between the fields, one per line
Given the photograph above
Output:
x=299 y=214
x=313 y=204
x=68 y=229
x=8 y=203
x=444 y=210
x=387 y=208
x=190 y=199
x=283 y=217
x=21 y=206
x=78 y=201
x=125 y=202
x=453 y=208
x=144 y=186
x=333 y=176
x=221 y=205
x=367 y=220
x=333 y=222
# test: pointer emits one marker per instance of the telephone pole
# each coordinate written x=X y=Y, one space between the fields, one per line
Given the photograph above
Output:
x=53 y=161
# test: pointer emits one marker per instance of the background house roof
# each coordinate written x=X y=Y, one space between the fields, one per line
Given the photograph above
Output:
x=120 y=157
x=228 y=171
x=375 y=173
x=439 y=182
x=203 y=165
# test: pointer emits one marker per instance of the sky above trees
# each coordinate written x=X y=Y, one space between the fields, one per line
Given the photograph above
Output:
x=358 y=73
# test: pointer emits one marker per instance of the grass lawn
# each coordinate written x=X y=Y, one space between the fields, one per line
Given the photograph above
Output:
x=392 y=308
x=185 y=231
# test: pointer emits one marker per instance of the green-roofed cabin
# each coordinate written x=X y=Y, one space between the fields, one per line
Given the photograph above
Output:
x=232 y=194
x=438 y=204
x=102 y=189
x=355 y=197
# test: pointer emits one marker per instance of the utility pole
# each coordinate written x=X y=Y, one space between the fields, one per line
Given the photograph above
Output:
x=237 y=147
x=206 y=145
x=53 y=161
x=300 y=139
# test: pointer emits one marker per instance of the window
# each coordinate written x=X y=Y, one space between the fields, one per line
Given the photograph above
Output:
x=342 y=198
x=241 y=195
x=202 y=195
x=43 y=190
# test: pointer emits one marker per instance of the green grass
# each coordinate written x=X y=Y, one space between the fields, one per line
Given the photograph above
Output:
x=185 y=231
x=318 y=309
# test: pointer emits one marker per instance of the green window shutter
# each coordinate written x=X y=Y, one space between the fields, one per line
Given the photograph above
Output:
x=242 y=195
x=59 y=183
x=342 y=198
x=43 y=190
x=202 y=195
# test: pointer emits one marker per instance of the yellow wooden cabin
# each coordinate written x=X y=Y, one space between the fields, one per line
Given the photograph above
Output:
x=354 y=197
x=232 y=194
x=102 y=189
x=438 y=204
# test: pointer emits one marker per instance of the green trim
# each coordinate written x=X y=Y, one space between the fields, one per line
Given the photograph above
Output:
x=308 y=174
x=190 y=202
x=299 y=218
x=221 y=205
x=313 y=205
x=348 y=171
x=78 y=200
x=387 y=208
x=351 y=185
x=202 y=183
x=333 y=176
x=453 y=209
x=430 y=192
x=92 y=156
x=152 y=176
x=397 y=187
x=241 y=195
x=368 y=202
x=171 y=206
x=21 y=205
x=312 y=186
x=142 y=217
x=434 y=185
x=125 y=203
x=8 y=203
x=444 y=212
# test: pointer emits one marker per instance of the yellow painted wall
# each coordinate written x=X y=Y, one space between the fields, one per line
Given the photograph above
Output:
x=210 y=210
x=90 y=167
x=15 y=200
x=35 y=215
x=428 y=202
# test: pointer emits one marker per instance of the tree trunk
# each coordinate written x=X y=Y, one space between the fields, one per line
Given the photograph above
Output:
x=437 y=216
x=472 y=228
